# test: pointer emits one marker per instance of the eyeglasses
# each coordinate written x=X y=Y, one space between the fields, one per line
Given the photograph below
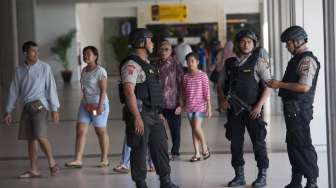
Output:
x=164 y=49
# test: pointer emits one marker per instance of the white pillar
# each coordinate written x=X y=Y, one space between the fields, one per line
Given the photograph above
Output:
x=330 y=75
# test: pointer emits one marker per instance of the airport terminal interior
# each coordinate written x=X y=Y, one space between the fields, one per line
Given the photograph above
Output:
x=106 y=24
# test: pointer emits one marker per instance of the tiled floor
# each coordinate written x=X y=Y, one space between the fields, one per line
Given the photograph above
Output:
x=213 y=173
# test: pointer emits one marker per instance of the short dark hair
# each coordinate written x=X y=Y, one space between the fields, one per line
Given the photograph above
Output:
x=192 y=54
x=94 y=50
x=27 y=45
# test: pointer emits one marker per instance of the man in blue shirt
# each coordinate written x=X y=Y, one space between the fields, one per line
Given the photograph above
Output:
x=34 y=83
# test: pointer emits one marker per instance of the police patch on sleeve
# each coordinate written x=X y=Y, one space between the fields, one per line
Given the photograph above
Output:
x=130 y=69
x=306 y=70
x=304 y=66
x=263 y=69
x=132 y=72
x=265 y=63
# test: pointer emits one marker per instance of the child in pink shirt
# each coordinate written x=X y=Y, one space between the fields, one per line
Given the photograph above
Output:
x=196 y=102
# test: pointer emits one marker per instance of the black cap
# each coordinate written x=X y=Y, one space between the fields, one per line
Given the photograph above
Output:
x=295 y=33
x=138 y=36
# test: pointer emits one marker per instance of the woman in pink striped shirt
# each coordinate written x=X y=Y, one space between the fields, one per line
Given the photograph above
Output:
x=196 y=102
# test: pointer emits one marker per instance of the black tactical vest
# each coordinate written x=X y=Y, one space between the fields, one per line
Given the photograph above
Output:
x=291 y=76
x=149 y=92
x=241 y=81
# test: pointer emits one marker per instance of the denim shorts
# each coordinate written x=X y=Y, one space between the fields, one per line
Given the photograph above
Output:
x=195 y=115
x=88 y=118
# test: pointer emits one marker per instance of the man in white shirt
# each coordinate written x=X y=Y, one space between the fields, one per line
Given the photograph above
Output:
x=181 y=50
x=35 y=85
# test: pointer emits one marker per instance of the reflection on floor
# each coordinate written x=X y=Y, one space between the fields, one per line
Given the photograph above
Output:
x=215 y=172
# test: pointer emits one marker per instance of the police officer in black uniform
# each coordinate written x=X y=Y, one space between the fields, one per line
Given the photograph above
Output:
x=243 y=76
x=142 y=95
x=297 y=90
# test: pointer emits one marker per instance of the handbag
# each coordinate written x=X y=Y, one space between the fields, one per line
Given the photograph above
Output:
x=34 y=106
x=91 y=108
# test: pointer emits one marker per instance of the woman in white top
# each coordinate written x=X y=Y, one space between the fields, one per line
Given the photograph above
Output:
x=94 y=108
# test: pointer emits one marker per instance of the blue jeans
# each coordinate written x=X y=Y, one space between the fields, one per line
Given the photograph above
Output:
x=125 y=155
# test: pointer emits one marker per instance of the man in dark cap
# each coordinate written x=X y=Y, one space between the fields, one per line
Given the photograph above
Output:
x=243 y=76
x=142 y=95
x=297 y=90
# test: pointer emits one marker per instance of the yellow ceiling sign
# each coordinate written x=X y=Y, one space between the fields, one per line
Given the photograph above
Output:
x=169 y=12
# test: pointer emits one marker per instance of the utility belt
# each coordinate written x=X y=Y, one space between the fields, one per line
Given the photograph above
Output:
x=34 y=106
x=148 y=108
x=142 y=108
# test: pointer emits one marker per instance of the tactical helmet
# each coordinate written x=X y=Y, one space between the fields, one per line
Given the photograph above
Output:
x=246 y=33
x=138 y=37
x=295 y=33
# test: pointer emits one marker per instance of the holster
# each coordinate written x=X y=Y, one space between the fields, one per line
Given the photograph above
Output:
x=291 y=108
x=228 y=130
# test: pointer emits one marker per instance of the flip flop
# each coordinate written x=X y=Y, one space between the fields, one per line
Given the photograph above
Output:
x=104 y=164
x=54 y=170
x=195 y=159
x=29 y=174
x=121 y=169
x=73 y=164
x=206 y=155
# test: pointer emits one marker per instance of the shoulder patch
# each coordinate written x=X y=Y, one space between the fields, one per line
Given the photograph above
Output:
x=305 y=64
x=265 y=63
x=130 y=69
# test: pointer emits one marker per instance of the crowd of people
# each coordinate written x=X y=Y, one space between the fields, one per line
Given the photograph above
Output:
x=157 y=93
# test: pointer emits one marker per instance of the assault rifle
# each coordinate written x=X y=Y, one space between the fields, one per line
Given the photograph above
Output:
x=238 y=105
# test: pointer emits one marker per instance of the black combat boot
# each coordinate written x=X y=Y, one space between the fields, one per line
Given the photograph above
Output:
x=261 y=179
x=141 y=184
x=165 y=182
x=239 y=179
x=295 y=182
x=311 y=183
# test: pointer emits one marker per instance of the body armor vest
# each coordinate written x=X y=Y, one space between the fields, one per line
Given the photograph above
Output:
x=241 y=81
x=291 y=76
x=149 y=92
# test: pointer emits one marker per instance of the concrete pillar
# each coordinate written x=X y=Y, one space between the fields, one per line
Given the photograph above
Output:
x=8 y=52
x=25 y=23
x=278 y=18
x=309 y=15
x=329 y=8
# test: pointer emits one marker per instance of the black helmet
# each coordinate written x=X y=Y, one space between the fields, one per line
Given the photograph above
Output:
x=248 y=34
x=295 y=33
x=138 y=36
